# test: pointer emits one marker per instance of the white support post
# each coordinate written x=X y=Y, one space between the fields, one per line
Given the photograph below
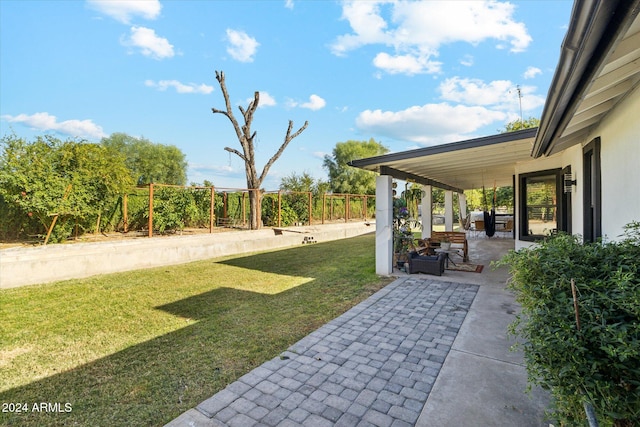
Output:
x=448 y=210
x=384 y=225
x=427 y=211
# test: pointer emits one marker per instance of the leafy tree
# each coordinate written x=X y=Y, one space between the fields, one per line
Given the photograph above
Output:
x=49 y=179
x=304 y=182
x=515 y=125
x=476 y=198
x=346 y=179
x=246 y=138
x=299 y=203
x=148 y=161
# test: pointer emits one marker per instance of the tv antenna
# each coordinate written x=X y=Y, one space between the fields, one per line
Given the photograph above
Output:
x=520 y=101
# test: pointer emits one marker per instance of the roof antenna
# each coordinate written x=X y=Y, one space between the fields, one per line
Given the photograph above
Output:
x=520 y=100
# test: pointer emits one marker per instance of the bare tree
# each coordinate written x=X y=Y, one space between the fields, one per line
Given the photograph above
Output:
x=246 y=138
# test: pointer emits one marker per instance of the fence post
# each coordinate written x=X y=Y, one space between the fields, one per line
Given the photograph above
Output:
x=212 y=211
x=279 y=206
x=244 y=210
x=310 y=207
x=324 y=205
x=347 y=208
x=224 y=205
x=151 y=209
x=330 y=208
x=364 y=208
x=125 y=212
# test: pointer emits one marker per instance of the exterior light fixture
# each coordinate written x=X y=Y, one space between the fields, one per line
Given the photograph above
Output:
x=569 y=182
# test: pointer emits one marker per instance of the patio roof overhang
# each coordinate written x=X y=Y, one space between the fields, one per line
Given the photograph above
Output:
x=458 y=166
x=598 y=67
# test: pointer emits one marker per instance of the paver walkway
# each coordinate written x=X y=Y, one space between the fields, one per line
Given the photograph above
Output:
x=374 y=365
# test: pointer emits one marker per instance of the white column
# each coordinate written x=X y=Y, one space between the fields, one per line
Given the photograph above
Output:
x=462 y=201
x=384 y=225
x=448 y=210
x=427 y=210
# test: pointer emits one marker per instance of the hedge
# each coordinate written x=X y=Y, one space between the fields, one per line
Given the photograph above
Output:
x=597 y=362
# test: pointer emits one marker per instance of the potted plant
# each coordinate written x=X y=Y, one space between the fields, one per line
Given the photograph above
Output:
x=402 y=234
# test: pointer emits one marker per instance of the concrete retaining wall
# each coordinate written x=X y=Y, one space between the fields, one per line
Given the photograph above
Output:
x=43 y=264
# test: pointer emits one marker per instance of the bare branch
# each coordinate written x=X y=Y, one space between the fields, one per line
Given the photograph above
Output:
x=229 y=111
x=236 y=152
x=287 y=139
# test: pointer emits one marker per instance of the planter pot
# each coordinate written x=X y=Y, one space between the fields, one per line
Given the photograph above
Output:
x=445 y=245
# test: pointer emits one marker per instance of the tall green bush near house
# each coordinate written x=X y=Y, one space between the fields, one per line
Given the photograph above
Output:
x=600 y=361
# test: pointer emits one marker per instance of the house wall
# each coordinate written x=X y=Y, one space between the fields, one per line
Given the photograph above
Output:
x=620 y=167
x=620 y=156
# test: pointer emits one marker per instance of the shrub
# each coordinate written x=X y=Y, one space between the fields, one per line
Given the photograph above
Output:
x=74 y=182
x=600 y=361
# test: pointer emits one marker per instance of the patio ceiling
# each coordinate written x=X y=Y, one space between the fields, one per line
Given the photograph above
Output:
x=460 y=165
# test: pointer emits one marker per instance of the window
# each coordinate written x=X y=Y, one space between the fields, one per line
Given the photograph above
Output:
x=540 y=211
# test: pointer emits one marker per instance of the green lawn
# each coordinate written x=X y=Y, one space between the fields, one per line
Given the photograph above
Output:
x=139 y=348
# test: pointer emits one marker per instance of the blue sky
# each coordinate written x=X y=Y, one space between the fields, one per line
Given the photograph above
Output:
x=407 y=73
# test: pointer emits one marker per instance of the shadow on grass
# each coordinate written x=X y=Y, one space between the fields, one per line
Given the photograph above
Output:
x=227 y=333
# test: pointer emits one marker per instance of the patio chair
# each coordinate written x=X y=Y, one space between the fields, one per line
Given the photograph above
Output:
x=478 y=227
x=426 y=264
x=508 y=228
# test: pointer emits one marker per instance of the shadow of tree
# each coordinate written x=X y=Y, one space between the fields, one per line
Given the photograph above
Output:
x=227 y=333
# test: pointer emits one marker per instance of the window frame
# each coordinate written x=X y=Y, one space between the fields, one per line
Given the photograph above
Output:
x=524 y=217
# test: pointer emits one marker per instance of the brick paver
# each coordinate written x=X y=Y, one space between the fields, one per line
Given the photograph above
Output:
x=374 y=365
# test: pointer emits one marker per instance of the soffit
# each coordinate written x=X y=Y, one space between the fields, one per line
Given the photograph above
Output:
x=460 y=166
x=618 y=76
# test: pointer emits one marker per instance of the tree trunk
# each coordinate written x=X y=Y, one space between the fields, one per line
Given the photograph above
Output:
x=255 y=210
x=246 y=138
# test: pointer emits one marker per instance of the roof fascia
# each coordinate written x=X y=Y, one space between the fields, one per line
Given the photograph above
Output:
x=445 y=148
x=595 y=27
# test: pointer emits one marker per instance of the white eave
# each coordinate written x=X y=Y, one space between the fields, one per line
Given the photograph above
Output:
x=460 y=165
x=599 y=65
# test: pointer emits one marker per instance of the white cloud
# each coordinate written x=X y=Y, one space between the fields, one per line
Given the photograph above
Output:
x=475 y=91
x=288 y=4
x=242 y=47
x=499 y=94
x=149 y=43
x=124 y=10
x=406 y=64
x=208 y=168
x=47 y=122
x=315 y=103
x=266 y=100
x=467 y=61
x=429 y=123
x=531 y=72
x=415 y=31
x=320 y=154
x=163 y=85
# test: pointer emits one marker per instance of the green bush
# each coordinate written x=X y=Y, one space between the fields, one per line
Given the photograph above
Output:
x=600 y=361
x=288 y=216
x=71 y=182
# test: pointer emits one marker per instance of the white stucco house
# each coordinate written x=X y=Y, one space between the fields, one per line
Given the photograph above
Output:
x=578 y=172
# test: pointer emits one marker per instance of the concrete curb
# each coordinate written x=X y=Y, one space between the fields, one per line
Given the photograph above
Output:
x=44 y=264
